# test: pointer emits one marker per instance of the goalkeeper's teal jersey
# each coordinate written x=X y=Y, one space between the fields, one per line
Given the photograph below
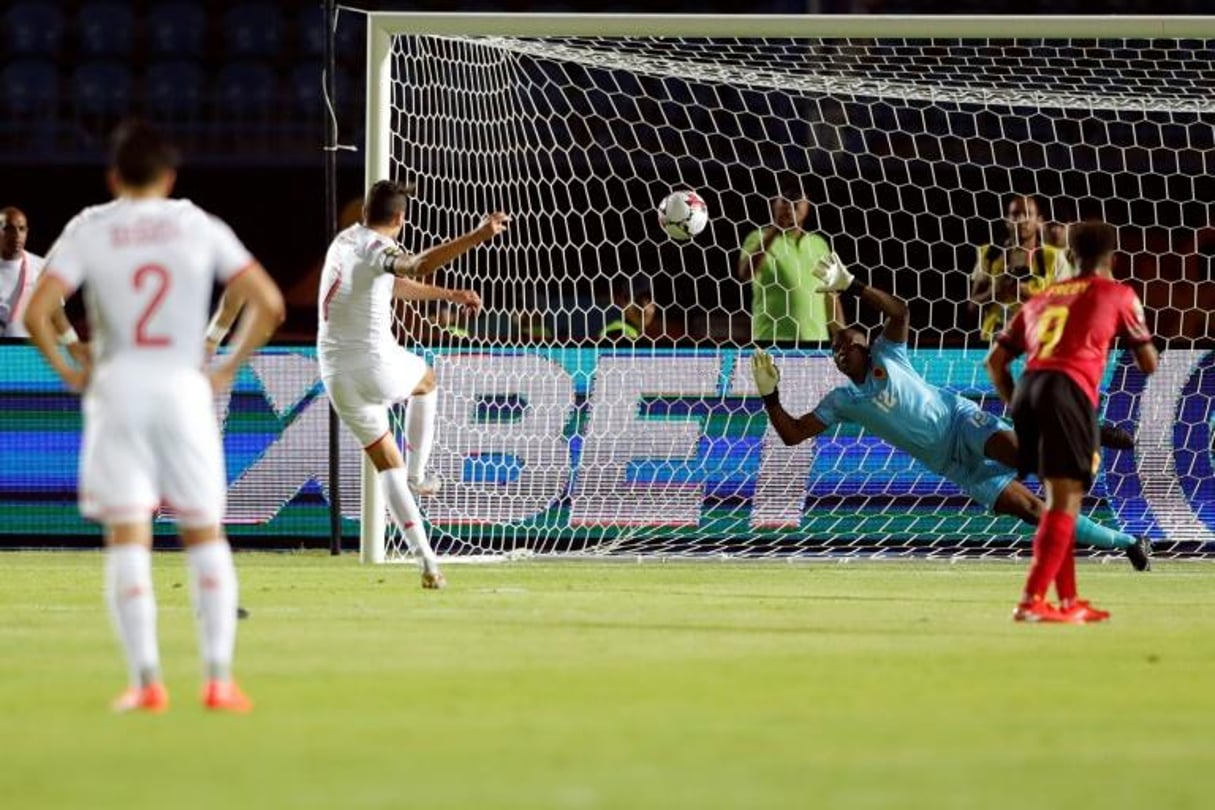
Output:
x=896 y=404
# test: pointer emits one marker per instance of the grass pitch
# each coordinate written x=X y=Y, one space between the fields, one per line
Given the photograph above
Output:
x=885 y=685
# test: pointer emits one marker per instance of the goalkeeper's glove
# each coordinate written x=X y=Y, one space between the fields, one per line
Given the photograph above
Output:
x=767 y=375
x=834 y=275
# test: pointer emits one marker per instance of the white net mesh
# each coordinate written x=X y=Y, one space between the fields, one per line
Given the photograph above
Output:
x=552 y=441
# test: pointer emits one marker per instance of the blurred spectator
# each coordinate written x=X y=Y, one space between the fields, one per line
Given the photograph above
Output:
x=1055 y=235
x=778 y=261
x=453 y=321
x=528 y=325
x=19 y=269
x=1021 y=264
x=637 y=311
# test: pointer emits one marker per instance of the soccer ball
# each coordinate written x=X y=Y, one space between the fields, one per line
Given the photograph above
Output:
x=683 y=214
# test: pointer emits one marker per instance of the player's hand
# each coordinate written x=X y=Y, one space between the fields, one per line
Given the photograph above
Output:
x=494 y=224
x=221 y=377
x=468 y=299
x=79 y=351
x=76 y=377
x=767 y=375
x=834 y=275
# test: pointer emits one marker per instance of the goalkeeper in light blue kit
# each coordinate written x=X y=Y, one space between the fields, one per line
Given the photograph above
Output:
x=948 y=434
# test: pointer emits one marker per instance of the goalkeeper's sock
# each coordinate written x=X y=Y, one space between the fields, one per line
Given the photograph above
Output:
x=128 y=592
x=1093 y=534
x=404 y=509
x=420 y=432
x=214 y=591
x=1051 y=542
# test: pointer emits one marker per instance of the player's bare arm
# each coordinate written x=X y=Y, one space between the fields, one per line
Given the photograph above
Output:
x=999 y=369
x=408 y=289
x=893 y=307
x=45 y=303
x=221 y=323
x=1147 y=358
x=431 y=259
x=78 y=349
x=255 y=295
x=791 y=430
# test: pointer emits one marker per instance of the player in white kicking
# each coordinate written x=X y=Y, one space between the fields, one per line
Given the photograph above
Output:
x=363 y=367
x=148 y=265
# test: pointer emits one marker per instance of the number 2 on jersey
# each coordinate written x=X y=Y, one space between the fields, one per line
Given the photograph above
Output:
x=1050 y=330
x=158 y=277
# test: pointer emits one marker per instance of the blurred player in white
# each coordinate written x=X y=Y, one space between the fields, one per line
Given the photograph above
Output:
x=19 y=272
x=364 y=368
x=148 y=265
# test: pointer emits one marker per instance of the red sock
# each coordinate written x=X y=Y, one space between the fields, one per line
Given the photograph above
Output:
x=1052 y=543
x=1065 y=580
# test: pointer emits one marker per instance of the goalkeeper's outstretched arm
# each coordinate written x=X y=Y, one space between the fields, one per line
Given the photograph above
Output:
x=893 y=307
x=837 y=279
x=791 y=430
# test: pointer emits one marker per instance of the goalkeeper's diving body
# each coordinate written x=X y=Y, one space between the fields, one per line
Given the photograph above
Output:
x=947 y=433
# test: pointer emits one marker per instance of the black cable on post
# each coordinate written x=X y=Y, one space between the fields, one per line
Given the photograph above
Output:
x=330 y=152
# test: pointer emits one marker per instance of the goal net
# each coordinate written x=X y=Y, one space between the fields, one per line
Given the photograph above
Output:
x=554 y=441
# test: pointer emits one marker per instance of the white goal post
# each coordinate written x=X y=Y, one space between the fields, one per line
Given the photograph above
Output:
x=912 y=131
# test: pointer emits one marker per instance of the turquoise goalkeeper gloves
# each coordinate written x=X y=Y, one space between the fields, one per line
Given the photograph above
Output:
x=767 y=375
x=834 y=275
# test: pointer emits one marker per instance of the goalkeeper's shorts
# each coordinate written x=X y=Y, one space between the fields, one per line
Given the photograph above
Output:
x=982 y=478
x=361 y=396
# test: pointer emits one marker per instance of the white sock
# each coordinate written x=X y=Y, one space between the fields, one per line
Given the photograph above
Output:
x=128 y=592
x=420 y=432
x=404 y=509
x=213 y=588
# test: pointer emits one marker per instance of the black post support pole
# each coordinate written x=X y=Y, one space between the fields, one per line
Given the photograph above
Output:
x=335 y=480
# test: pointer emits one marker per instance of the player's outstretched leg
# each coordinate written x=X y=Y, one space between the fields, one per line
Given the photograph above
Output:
x=132 y=604
x=420 y=435
x=213 y=587
x=1016 y=500
x=404 y=509
x=1137 y=550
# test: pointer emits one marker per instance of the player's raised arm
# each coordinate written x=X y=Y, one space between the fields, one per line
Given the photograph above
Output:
x=255 y=295
x=791 y=430
x=431 y=259
x=837 y=279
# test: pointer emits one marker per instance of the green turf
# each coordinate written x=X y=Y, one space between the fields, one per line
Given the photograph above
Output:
x=881 y=685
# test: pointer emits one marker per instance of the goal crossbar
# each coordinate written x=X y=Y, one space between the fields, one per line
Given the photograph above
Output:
x=933 y=26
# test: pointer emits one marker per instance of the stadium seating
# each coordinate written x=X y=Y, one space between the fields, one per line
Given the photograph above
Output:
x=32 y=29
x=106 y=30
x=176 y=29
x=253 y=31
x=245 y=91
x=174 y=90
x=30 y=89
x=101 y=89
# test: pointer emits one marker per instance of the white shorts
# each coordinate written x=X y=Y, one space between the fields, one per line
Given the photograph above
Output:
x=151 y=444
x=361 y=396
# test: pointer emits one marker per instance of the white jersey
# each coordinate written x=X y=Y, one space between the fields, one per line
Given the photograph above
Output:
x=17 y=277
x=148 y=266
x=354 y=306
